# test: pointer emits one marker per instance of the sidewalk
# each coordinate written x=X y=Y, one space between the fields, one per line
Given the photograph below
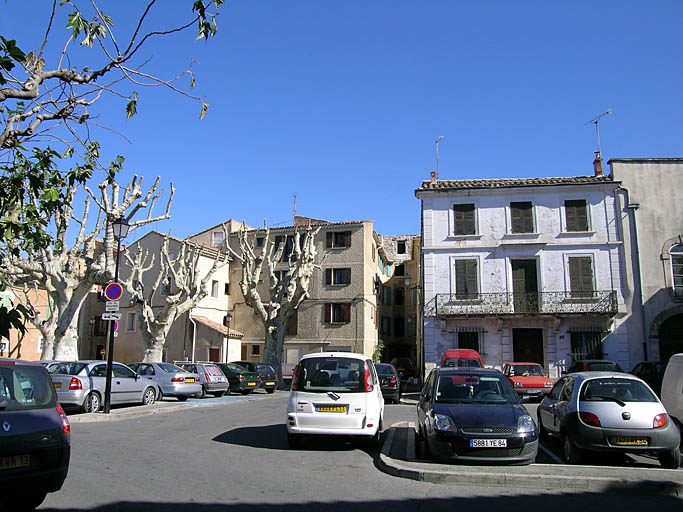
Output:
x=398 y=458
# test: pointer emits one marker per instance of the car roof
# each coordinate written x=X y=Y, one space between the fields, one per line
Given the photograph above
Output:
x=593 y=361
x=592 y=375
x=518 y=363
x=450 y=370
x=348 y=355
x=9 y=361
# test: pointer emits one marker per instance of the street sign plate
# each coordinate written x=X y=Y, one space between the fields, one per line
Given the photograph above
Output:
x=111 y=316
x=112 y=305
x=113 y=291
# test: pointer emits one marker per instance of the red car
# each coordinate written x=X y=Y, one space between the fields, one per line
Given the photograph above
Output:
x=528 y=379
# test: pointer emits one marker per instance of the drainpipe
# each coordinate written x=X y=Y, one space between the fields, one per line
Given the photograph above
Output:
x=194 y=334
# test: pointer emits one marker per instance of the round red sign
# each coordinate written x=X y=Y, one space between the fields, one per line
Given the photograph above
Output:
x=113 y=291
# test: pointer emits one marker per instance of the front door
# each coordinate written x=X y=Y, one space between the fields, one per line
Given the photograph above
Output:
x=524 y=286
x=527 y=346
x=215 y=355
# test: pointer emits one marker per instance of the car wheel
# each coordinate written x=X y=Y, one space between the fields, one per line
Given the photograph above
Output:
x=24 y=502
x=572 y=453
x=293 y=440
x=202 y=394
x=92 y=402
x=670 y=459
x=149 y=396
x=270 y=390
x=219 y=394
x=246 y=391
x=542 y=432
x=181 y=398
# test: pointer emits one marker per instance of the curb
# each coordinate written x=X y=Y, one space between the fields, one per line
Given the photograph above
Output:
x=669 y=482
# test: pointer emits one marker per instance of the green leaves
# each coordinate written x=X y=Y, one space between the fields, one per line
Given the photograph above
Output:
x=132 y=106
x=10 y=52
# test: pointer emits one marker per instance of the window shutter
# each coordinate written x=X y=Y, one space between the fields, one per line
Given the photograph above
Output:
x=465 y=277
x=581 y=274
x=516 y=218
x=328 y=239
x=376 y=319
x=464 y=219
x=577 y=215
x=328 y=313
x=586 y=275
x=347 y=276
x=574 y=275
x=460 y=280
x=471 y=276
x=347 y=239
x=347 y=313
x=521 y=215
x=582 y=218
x=328 y=276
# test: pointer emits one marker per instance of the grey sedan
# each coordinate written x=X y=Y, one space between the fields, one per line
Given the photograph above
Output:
x=82 y=384
x=608 y=412
x=172 y=380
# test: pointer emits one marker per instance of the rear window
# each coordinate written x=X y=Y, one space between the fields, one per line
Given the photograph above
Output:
x=463 y=363
x=171 y=368
x=213 y=370
x=70 y=368
x=338 y=374
x=266 y=368
x=25 y=387
x=384 y=369
x=526 y=370
x=616 y=390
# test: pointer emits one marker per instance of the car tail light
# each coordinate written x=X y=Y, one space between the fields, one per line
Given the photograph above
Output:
x=369 y=425
x=242 y=377
x=368 y=378
x=295 y=377
x=275 y=377
x=258 y=378
x=208 y=377
x=75 y=384
x=7 y=362
x=291 y=421
x=392 y=382
x=66 y=426
x=590 y=419
x=660 y=421
x=177 y=379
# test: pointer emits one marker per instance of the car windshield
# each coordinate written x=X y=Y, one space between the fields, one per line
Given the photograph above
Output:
x=339 y=375
x=25 y=387
x=463 y=363
x=266 y=368
x=474 y=389
x=171 y=368
x=247 y=366
x=616 y=390
x=384 y=369
x=526 y=370
x=72 y=368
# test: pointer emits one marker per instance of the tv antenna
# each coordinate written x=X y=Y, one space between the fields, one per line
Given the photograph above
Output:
x=294 y=209
x=436 y=145
x=596 y=120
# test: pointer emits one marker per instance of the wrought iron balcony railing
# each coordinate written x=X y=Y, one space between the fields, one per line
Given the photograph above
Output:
x=542 y=303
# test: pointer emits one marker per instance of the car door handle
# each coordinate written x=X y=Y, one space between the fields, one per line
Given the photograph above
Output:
x=302 y=403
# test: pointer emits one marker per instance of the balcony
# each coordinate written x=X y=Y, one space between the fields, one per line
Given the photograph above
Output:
x=541 y=303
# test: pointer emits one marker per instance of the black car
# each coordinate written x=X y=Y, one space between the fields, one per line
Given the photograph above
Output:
x=389 y=382
x=35 y=438
x=240 y=379
x=652 y=372
x=474 y=415
x=406 y=370
x=269 y=378
x=594 y=365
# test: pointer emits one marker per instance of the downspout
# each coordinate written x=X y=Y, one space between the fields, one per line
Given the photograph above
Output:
x=194 y=333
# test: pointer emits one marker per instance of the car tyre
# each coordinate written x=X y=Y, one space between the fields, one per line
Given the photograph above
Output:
x=670 y=459
x=149 y=396
x=572 y=453
x=543 y=433
x=219 y=394
x=246 y=391
x=92 y=403
x=181 y=398
x=202 y=394
x=24 y=502
x=293 y=440
x=270 y=390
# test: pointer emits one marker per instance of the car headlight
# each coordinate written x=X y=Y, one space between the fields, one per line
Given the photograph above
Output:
x=548 y=384
x=518 y=384
x=525 y=424
x=443 y=423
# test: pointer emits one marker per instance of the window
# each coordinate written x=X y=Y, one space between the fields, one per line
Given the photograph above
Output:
x=585 y=345
x=581 y=276
x=131 y=321
x=374 y=249
x=385 y=325
x=463 y=221
x=521 y=217
x=677 y=268
x=401 y=247
x=168 y=285
x=399 y=326
x=468 y=340
x=217 y=239
x=399 y=294
x=259 y=241
x=227 y=289
x=293 y=324
x=336 y=239
x=466 y=279
x=576 y=215
x=214 y=288
x=386 y=296
x=288 y=250
x=400 y=270
x=412 y=325
x=256 y=350
x=338 y=276
x=338 y=313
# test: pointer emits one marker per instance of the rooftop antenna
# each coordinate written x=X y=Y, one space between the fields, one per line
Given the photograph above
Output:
x=294 y=210
x=436 y=145
x=597 y=130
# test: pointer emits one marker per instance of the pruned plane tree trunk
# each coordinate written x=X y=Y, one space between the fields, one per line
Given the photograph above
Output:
x=177 y=288
x=288 y=288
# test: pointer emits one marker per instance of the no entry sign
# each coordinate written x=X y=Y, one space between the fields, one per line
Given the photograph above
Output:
x=113 y=291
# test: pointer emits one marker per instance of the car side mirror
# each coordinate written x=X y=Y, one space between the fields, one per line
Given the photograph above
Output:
x=137 y=376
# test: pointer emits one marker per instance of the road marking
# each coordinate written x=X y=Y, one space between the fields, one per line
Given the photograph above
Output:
x=550 y=454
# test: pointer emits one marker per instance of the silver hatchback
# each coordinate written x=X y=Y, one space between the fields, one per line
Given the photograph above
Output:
x=608 y=412
x=172 y=380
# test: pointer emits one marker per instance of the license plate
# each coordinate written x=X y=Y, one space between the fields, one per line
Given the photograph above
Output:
x=629 y=441
x=251 y=383
x=190 y=379
x=331 y=408
x=488 y=443
x=270 y=383
x=16 y=461
x=57 y=385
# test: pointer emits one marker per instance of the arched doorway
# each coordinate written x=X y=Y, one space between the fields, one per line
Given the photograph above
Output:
x=671 y=337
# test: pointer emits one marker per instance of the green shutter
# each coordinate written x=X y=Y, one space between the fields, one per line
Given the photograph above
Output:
x=464 y=219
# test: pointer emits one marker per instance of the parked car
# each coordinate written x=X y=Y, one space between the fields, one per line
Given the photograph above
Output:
x=474 y=415
x=335 y=393
x=82 y=384
x=241 y=380
x=672 y=389
x=594 y=365
x=389 y=381
x=211 y=377
x=171 y=379
x=50 y=365
x=269 y=378
x=35 y=439
x=461 y=358
x=406 y=371
x=652 y=372
x=608 y=412
x=528 y=379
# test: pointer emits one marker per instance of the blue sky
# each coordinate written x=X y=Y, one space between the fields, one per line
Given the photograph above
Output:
x=340 y=102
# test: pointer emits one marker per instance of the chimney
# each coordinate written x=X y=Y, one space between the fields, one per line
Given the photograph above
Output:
x=597 y=164
x=433 y=175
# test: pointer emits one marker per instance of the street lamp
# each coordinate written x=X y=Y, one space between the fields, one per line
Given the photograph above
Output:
x=120 y=228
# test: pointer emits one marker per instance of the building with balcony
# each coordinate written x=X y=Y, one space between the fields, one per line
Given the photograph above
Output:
x=523 y=270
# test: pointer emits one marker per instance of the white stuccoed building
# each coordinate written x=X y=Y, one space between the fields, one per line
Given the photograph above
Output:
x=523 y=270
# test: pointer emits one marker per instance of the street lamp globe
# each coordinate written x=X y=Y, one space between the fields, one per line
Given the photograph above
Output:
x=120 y=227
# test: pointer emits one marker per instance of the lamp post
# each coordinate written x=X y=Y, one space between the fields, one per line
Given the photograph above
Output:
x=120 y=228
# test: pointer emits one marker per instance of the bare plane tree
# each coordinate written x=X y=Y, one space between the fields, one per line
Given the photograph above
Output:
x=177 y=288
x=287 y=289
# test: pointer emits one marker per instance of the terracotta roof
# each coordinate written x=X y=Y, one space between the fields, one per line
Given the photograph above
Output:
x=512 y=182
x=228 y=333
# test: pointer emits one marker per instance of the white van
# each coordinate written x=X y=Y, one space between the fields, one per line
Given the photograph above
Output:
x=672 y=389
x=335 y=393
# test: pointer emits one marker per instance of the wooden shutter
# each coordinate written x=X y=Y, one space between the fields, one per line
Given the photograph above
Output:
x=464 y=219
x=465 y=277
x=347 y=239
x=581 y=275
x=577 y=215
x=328 y=313
x=347 y=313
x=328 y=276
x=521 y=216
x=328 y=239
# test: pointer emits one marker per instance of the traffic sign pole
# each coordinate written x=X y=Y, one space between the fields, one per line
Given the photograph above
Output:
x=112 y=293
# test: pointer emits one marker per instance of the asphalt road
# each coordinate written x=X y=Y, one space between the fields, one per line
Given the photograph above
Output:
x=231 y=454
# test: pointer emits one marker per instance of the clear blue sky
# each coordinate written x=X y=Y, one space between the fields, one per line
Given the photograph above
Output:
x=340 y=101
